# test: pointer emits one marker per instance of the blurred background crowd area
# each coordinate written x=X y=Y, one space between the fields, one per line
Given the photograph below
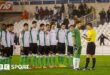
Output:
x=18 y=12
x=95 y=11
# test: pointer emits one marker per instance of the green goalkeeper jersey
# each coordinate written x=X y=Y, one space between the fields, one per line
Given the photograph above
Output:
x=76 y=35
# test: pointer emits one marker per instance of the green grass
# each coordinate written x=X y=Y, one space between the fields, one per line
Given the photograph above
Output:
x=102 y=68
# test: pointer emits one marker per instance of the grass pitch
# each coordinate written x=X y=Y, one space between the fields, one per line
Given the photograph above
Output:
x=102 y=68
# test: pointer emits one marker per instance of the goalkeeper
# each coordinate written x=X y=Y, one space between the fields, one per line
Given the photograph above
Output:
x=77 y=46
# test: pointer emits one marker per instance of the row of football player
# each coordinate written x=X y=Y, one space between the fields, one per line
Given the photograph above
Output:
x=44 y=40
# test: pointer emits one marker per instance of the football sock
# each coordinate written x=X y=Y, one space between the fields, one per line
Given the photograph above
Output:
x=38 y=61
x=70 y=60
x=78 y=62
x=47 y=60
x=26 y=60
x=87 y=62
x=65 y=60
x=34 y=60
x=30 y=57
x=10 y=60
x=75 y=63
x=50 y=60
x=44 y=60
x=61 y=59
x=56 y=60
x=0 y=61
x=22 y=60
x=6 y=60
x=3 y=60
x=93 y=62
x=41 y=61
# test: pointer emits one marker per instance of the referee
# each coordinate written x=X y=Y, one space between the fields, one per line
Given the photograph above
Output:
x=91 y=38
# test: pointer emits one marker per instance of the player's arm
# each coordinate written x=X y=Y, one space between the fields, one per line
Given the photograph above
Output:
x=74 y=42
x=86 y=37
x=20 y=40
x=0 y=38
x=74 y=39
x=38 y=36
x=14 y=44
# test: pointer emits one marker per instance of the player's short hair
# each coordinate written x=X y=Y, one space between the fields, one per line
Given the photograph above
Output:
x=52 y=23
x=77 y=22
x=41 y=25
x=62 y=24
x=11 y=24
x=47 y=25
x=72 y=26
x=34 y=22
x=7 y=25
x=4 y=25
x=25 y=24
x=89 y=24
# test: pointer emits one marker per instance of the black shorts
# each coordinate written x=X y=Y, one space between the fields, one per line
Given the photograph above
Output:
x=11 y=50
x=70 y=50
x=6 y=52
x=41 y=50
x=33 y=48
x=91 y=48
x=1 y=50
x=25 y=51
x=47 y=49
x=61 y=48
x=53 y=49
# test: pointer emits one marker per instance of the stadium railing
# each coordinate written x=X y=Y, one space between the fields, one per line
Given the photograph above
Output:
x=33 y=2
